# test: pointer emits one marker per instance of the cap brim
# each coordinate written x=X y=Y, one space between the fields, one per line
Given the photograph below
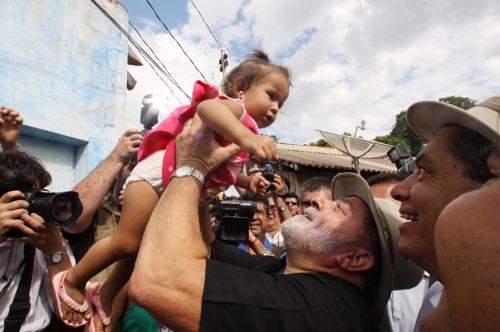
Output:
x=426 y=118
x=350 y=184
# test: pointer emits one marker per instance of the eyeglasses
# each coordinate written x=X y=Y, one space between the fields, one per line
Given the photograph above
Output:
x=291 y=203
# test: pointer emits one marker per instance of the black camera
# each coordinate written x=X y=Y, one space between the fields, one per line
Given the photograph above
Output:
x=61 y=209
x=268 y=174
x=402 y=159
x=232 y=219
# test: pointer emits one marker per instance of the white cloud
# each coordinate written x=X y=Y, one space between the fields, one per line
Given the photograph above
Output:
x=350 y=60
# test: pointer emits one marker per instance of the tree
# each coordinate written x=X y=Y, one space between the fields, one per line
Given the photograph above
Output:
x=403 y=134
x=321 y=143
x=388 y=139
x=462 y=102
x=275 y=138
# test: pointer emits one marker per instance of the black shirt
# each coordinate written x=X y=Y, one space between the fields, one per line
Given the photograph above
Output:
x=247 y=299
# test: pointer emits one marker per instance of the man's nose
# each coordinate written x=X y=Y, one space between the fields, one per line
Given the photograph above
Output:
x=401 y=191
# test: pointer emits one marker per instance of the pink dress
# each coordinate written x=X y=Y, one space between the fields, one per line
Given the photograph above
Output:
x=163 y=137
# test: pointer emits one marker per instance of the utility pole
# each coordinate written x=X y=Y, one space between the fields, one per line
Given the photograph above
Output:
x=223 y=62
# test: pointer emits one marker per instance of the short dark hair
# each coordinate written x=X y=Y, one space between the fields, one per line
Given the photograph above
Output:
x=249 y=196
x=472 y=150
x=385 y=178
x=291 y=195
x=20 y=170
x=315 y=184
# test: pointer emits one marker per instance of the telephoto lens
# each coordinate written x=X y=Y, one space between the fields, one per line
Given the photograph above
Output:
x=61 y=209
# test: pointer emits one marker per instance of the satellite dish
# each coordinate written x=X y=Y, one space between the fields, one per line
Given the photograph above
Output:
x=355 y=147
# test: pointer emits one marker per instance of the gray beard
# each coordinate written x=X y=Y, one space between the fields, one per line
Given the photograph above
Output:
x=305 y=237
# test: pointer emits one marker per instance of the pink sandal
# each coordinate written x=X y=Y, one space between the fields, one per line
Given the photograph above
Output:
x=94 y=295
x=61 y=295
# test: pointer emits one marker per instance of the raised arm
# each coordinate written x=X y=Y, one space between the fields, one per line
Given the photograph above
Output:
x=10 y=128
x=94 y=186
x=222 y=116
x=169 y=275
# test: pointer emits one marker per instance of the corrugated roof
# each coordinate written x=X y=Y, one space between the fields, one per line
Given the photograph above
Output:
x=330 y=158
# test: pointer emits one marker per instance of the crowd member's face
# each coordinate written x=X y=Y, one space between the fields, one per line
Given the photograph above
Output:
x=307 y=197
x=438 y=179
x=273 y=212
x=258 y=223
x=292 y=205
x=326 y=226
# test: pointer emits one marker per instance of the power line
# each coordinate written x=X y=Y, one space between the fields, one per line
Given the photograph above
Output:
x=150 y=5
x=141 y=50
x=210 y=30
x=140 y=36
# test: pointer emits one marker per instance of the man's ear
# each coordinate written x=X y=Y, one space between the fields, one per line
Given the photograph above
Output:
x=356 y=260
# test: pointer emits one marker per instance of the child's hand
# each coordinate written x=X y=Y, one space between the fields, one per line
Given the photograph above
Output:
x=262 y=147
x=258 y=184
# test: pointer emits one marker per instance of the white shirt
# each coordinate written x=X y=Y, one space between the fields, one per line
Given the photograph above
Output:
x=277 y=239
x=431 y=301
x=41 y=297
x=404 y=305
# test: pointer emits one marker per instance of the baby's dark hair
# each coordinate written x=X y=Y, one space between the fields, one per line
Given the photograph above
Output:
x=252 y=70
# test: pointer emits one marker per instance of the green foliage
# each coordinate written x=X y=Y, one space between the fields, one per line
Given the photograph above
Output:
x=402 y=133
x=275 y=138
x=387 y=139
x=462 y=102
x=321 y=143
x=346 y=133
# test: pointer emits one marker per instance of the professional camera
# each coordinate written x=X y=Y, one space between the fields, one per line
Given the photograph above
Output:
x=61 y=209
x=402 y=159
x=232 y=219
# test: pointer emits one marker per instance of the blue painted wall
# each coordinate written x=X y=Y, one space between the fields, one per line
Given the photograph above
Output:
x=63 y=65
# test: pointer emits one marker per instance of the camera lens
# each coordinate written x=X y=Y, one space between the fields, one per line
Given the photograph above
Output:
x=62 y=209
x=233 y=229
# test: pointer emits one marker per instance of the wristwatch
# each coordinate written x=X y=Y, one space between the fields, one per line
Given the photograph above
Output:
x=184 y=171
x=283 y=207
x=55 y=258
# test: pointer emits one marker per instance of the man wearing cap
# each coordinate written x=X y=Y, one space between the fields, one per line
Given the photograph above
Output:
x=451 y=164
x=340 y=270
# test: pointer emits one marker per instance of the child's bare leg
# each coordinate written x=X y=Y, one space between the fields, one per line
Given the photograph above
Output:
x=138 y=203
x=116 y=281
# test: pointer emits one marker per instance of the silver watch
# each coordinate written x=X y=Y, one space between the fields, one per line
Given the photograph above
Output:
x=184 y=171
x=55 y=258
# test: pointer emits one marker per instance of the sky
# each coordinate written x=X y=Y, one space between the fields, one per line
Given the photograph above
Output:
x=351 y=60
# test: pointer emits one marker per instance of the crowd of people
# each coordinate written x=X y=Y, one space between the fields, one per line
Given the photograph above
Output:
x=149 y=250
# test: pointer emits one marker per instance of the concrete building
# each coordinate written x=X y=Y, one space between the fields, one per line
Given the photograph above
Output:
x=63 y=65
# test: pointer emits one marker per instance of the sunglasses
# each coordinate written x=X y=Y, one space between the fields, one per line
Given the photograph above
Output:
x=291 y=203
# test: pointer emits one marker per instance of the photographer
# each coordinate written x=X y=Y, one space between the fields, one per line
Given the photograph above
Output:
x=28 y=262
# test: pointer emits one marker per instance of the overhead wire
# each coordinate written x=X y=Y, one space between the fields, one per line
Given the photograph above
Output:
x=142 y=51
x=152 y=51
x=168 y=30
x=210 y=30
